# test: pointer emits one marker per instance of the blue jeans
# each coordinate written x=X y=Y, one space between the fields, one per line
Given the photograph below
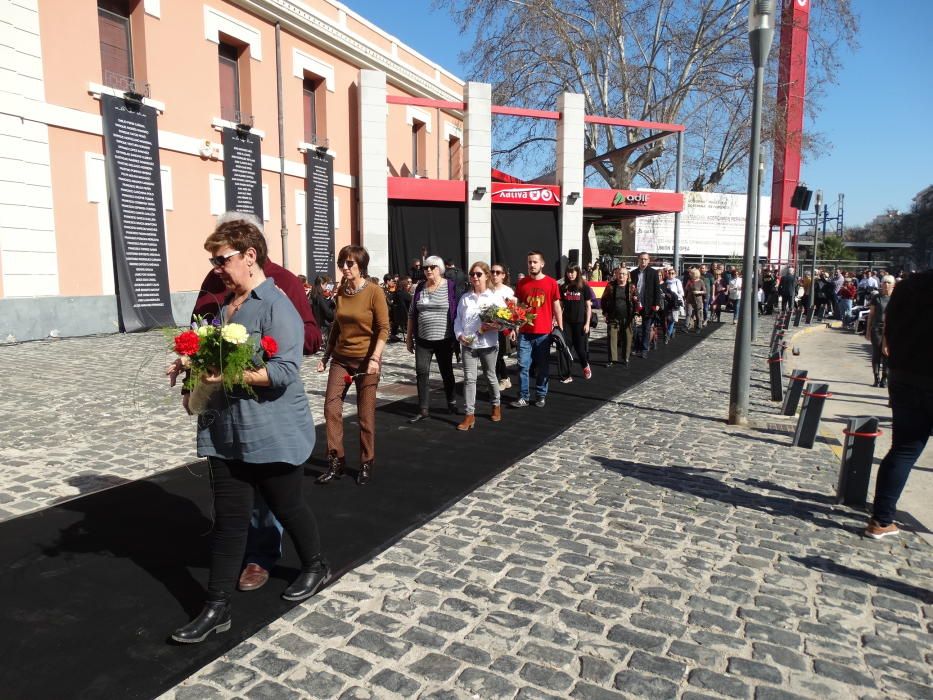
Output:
x=533 y=349
x=737 y=310
x=644 y=340
x=264 y=537
x=912 y=409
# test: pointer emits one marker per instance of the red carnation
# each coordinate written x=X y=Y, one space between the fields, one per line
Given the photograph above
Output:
x=269 y=345
x=187 y=343
x=347 y=379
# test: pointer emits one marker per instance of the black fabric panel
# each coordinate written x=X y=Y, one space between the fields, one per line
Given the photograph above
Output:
x=516 y=230
x=438 y=225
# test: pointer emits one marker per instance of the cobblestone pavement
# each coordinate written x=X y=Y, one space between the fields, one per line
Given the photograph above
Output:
x=650 y=552
x=84 y=414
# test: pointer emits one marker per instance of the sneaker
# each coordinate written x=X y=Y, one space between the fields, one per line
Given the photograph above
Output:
x=876 y=531
x=540 y=402
x=520 y=402
x=587 y=372
x=566 y=380
x=505 y=383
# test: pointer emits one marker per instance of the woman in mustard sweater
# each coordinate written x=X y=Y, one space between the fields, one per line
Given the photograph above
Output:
x=354 y=349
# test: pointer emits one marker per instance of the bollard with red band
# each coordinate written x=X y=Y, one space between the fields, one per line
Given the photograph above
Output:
x=776 y=374
x=798 y=312
x=808 y=424
x=794 y=392
x=858 y=451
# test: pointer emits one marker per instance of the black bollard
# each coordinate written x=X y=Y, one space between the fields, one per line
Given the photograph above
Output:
x=858 y=451
x=797 y=314
x=808 y=424
x=775 y=373
x=785 y=320
x=810 y=311
x=794 y=391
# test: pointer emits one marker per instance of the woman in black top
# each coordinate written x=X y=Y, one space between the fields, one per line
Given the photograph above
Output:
x=618 y=305
x=576 y=298
x=874 y=330
x=322 y=304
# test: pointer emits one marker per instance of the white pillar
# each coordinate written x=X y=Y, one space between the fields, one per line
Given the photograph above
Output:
x=570 y=142
x=477 y=163
x=372 y=183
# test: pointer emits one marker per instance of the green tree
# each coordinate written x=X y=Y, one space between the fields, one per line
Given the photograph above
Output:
x=833 y=248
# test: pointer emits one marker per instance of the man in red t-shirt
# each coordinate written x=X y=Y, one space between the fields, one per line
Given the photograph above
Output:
x=541 y=293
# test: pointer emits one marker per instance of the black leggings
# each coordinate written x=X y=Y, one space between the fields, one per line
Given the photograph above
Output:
x=233 y=482
x=577 y=338
x=443 y=351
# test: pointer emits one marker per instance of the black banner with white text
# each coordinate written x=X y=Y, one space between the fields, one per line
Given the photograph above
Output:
x=134 y=187
x=243 y=172
x=319 y=214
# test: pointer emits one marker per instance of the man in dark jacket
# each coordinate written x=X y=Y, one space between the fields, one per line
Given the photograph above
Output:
x=787 y=289
x=648 y=286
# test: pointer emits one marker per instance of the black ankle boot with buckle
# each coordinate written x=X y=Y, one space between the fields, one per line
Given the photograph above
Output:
x=215 y=617
x=311 y=579
x=335 y=467
x=365 y=473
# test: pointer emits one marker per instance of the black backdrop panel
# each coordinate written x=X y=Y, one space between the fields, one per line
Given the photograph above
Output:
x=437 y=225
x=516 y=230
x=134 y=187
x=319 y=214
x=242 y=172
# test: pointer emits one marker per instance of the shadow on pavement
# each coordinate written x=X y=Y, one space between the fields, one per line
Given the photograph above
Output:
x=827 y=565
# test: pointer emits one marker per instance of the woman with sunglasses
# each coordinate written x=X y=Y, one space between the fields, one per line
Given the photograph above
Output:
x=431 y=333
x=259 y=439
x=499 y=285
x=354 y=349
x=480 y=343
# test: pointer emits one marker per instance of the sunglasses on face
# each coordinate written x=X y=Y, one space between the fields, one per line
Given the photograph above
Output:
x=477 y=274
x=347 y=264
x=221 y=260
x=430 y=267
x=498 y=272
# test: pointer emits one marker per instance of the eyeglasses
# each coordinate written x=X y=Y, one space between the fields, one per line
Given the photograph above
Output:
x=221 y=260
x=430 y=267
x=347 y=264
x=498 y=272
x=477 y=274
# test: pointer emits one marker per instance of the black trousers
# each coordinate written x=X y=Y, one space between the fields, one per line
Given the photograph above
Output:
x=577 y=338
x=233 y=482
x=443 y=351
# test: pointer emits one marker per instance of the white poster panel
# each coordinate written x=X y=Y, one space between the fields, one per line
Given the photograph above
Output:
x=711 y=224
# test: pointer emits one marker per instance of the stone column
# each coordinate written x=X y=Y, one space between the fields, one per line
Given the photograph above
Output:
x=477 y=167
x=372 y=182
x=570 y=146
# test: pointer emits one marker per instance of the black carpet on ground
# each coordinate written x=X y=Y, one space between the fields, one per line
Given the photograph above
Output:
x=94 y=587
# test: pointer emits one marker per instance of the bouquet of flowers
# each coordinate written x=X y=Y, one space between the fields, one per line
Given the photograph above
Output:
x=512 y=316
x=215 y=348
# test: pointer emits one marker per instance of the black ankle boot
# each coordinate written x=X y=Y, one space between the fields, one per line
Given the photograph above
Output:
x=308 y=582
x=365 y=473
x=215 y=617
x=335 y=467
x=884 y=382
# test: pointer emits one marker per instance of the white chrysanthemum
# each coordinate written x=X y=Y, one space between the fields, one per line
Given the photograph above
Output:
x=234 y=333
x=204 y=331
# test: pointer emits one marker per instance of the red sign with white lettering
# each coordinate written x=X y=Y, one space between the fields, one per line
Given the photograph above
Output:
x=528 y=194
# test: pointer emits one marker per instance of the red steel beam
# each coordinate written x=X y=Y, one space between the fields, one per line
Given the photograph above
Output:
x=521 y=112
x=612 y=121
x=424 y=102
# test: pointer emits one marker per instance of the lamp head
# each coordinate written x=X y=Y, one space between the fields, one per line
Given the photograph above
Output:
x=760 y=15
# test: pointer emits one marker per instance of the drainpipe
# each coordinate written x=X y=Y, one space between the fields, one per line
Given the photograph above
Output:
x=281 y=100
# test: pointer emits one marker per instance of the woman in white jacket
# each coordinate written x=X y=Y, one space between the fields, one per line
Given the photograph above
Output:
x=479 y=341
x=735 y=295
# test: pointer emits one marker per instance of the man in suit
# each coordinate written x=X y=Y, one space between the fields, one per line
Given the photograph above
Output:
x=645 y=279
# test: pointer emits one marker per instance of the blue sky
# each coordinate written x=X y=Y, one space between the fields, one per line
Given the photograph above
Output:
x=876 y=116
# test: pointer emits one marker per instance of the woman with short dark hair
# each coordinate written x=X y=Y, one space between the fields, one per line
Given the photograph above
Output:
x=354 y=350
x=577 y=298
x=258 y=437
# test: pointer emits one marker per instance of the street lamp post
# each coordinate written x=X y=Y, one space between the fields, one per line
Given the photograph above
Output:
x=816 y=234
x=760 y=35
x=761 y=177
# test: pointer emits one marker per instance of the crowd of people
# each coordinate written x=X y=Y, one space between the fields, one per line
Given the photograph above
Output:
x=258 y=437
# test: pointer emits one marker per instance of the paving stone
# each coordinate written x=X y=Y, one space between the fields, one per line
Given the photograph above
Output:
x=469 y=654
x=269 y=690
x=585 y=691
x=272 y=664
x=233 y=677
x=843 y=674
x=643 y=685
x=484 y=684
x=379 y=644
x=380 y=622
x=717 y=682
x=545 y=677
x=764 y=692
x=657 y=665
x=772 y=635
x=506 y=665
x=783 y=656
x=754 y=669
x=424 y=638
x=197 y=692
x=442 y=622
x=315 y=683
x=637 y=640
x=707 y=620
x=915 y=691
x=349 y=665
x=295 y=645
x=435 y=667
x=595 y=669
x=319 y=625
x=703 y=655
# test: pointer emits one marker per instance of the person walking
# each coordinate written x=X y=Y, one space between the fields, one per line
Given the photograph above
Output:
x=431 y=334
x=576 y=298
x=499 y=284
x=874 y=330
x=257 y=439
x=708 y=278
x=645 y=279
x=696 y=296
x=540 y=293
x=787 y=289
x=354 y=350
x=618 y=306
x=480 y=344
x=675 y=289
x=908 y=337
x=735 y=294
